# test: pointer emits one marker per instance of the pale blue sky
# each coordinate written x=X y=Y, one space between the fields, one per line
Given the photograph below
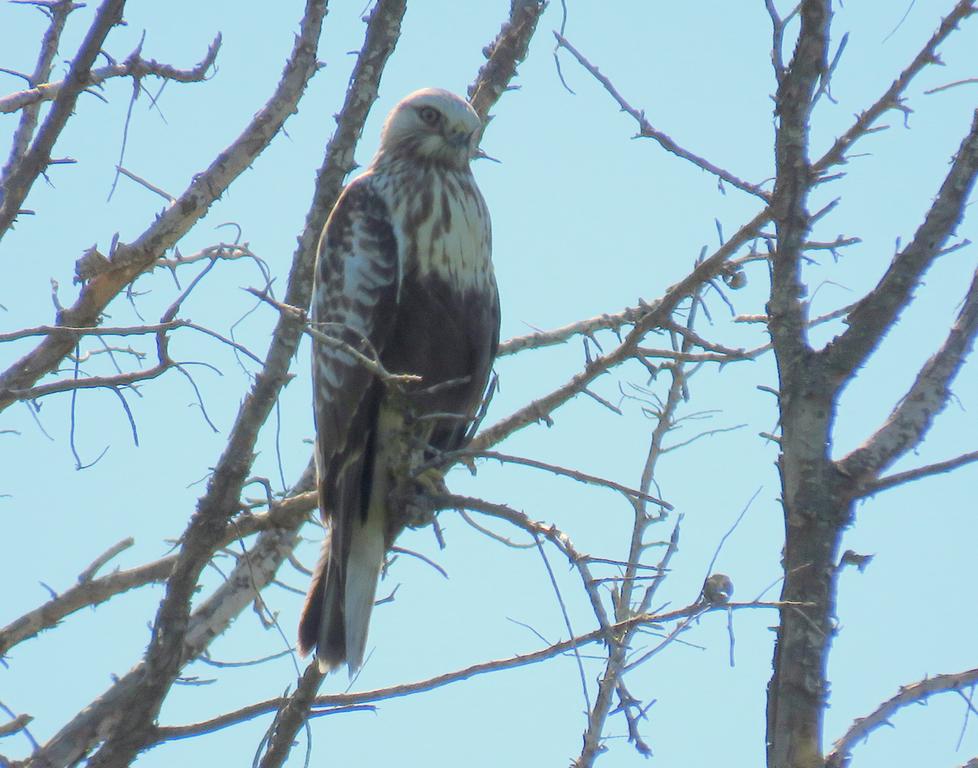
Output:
x=586 y=220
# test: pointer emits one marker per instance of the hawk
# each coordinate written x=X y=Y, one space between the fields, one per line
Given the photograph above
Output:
x=403 y=276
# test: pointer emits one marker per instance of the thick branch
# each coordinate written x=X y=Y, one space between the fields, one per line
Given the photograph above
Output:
x=798 y=688
x=876 y=313
x=793 y=183
x=290 y=717
x=504 y=54
x=82 y=595
x=928 y=395
x=253 y=571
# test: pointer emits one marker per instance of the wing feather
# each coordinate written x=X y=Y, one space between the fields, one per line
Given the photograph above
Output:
x=355 y=300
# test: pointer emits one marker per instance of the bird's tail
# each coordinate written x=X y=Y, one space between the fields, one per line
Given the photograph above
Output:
x=336 y=613
x=365 y=557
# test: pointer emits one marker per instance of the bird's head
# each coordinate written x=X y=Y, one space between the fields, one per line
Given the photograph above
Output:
x=432 y=124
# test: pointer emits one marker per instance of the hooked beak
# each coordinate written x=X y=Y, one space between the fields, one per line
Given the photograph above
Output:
x=458 y=139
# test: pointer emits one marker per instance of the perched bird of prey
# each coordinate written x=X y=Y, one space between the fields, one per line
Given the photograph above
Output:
x=404 y=277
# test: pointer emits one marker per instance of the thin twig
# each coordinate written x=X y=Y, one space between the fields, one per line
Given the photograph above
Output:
x=647 y=131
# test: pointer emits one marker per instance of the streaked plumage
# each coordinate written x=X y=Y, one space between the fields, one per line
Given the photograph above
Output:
x=403 y=273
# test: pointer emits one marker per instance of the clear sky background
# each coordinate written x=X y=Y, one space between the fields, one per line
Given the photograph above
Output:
x=586 y=220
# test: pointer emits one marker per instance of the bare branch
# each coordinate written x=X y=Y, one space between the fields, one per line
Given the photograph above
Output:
x=20 y=176
x=370 y=362
x=550 y=532
x=777 y=38
x=408 y=689
x=504 y=54
x=624 y=603
x=878 y=310
x=251 y=574
x=656 y=315
x=146 y=184
x=58 y=14
x=955 y=84
x=287 y=514
x=290 y=717
x=16 y=725
x=795 y=696
x=927 y=396
x=647 y=131
x=83 y=595
x=916 y=693
x=581 y=477
x=129 y=260
x=102 y=559
x=540 y=339
x=899 y=478
x=892 y=97
x=134 y=66
x=129 y=330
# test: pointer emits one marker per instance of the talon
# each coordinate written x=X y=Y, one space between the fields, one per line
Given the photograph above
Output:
x=431 y=482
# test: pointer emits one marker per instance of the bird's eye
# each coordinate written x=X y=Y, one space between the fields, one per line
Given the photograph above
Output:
x=429 y=115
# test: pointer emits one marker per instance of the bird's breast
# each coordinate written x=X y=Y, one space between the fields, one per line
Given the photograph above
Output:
x=445 y=230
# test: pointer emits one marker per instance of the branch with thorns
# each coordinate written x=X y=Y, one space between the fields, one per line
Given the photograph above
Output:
x=916 y=693
x=134 y=66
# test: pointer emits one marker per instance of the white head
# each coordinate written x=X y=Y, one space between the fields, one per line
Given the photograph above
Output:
x=431 y=124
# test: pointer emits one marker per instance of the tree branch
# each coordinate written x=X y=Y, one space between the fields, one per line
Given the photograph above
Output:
x=128 y=261
x=917 y=693
x=135 y=705
x=927 y=396
x=646 y=130
x=253 y=571
x=899 y=478
x=624 y=601
x=21 y=174
x=656 y=315
x=338 y=700
x=289 y=513
x=550 y=532
x=504 y=54
x=581 y=477
x=134 y=66
x=540 y=339
x=892 y=97
x=797 y=690
x=876 y=313
x=42 y=71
